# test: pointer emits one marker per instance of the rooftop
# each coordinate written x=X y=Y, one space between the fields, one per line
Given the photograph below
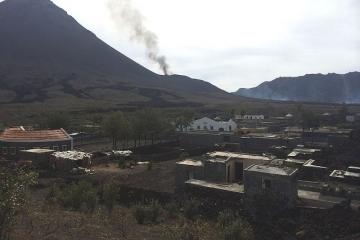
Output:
x=21 y=134
x=241 y=156
x=72 y=155
x=191 y=162
x=270 y=169
x=231 y=187
x=38 y=150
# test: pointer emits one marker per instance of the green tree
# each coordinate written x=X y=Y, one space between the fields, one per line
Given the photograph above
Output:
x=13 y=188
x=310 y=120
x=57 y=120
x=117 y=127
x=150 y=122
x=184 y=120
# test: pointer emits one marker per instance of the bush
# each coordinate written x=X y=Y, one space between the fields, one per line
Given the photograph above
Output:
x=78 y=195
x=191 y=208
x=122 y=164
x=109 y=196
x=225 y=218
x=240 y=229
x=149 y=213
x=172 y=210
x=150 y=165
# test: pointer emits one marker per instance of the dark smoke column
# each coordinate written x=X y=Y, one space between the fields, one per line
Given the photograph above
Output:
x=124 y=14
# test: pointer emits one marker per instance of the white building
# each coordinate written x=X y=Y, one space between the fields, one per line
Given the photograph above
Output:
x=350 y=118
x=207 y=124
x=249 y=117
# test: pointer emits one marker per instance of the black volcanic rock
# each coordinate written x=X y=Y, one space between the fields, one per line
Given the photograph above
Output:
x=42 y=48
x=330 y=88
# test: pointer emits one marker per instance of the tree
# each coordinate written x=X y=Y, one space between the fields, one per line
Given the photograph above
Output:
x=184 y=120
x=117 y=127
x=150 y=122
x=57 y=120
x=13 y=188
x=310 y=120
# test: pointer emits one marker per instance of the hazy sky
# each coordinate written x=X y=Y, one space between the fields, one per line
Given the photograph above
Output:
x=237 y=43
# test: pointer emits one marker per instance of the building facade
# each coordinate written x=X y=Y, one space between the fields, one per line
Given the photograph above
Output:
x=14 y=140
x=208 y=124
x=250 y=117
x=281 y=181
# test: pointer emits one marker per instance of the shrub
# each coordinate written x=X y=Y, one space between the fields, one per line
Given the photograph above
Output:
x=77 y=195
x=225 y=218
x=121 y=164
x=149 y=213
x=172 y=210
x=191 y=208
x=140 y=214
x=240 y=229
x=109 y=196
x=150 y=165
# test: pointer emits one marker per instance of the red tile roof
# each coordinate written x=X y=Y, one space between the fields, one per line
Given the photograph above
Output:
x=20 y=134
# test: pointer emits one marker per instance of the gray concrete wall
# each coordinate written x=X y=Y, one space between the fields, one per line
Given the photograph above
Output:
x=285 y=186
x=14 y=148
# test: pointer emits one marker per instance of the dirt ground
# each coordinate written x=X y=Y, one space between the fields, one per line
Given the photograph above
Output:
x=160 y=178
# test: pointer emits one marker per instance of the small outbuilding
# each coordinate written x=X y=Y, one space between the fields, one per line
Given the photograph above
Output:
x=67 y=161
x=278 y=180
x=40 y=158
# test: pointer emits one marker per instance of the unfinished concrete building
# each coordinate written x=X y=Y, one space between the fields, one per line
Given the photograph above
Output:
x=278 y=180
x=217 y=167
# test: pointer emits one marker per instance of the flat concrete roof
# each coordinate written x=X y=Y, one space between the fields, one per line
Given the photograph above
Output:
x=38 y=150
x=191 y=162
x=242 y=156
x=231 y=187
x=270 y=169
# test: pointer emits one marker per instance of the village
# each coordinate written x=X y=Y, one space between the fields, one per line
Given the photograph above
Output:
x=229 y=163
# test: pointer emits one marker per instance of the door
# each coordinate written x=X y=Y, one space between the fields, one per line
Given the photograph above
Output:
x=239 y=171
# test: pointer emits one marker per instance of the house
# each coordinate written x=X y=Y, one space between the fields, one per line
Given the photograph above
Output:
x=15 y=139
x=351 y=175
x=279 y=180
x=350 y=118
x=300 y=152
x=250 y=117
x=210 y=125
x=217 y=167
x=40 y=158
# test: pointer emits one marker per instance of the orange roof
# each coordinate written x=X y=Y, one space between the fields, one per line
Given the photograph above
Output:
x=20 y=134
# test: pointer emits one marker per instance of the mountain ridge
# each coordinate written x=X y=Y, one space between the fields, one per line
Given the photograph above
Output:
x=322 y=88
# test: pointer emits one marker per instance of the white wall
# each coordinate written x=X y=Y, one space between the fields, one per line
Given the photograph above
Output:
x=207 y=124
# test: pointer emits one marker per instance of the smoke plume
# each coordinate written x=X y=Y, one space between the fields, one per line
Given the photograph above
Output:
x=124 y=14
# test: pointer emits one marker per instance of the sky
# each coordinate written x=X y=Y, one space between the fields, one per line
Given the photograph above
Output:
x=236 y=43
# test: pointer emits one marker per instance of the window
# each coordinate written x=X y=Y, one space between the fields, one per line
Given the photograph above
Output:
x=230 y=128
x=198 y=127
x=64 y=148
x=13 y=150
x=266 y=184
x=205 y=128
x=4 y=150
x=211 y=127
x=56 y=148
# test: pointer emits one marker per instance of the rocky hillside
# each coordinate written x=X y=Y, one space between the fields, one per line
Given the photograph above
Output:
x=329 y=88
x=47 y=57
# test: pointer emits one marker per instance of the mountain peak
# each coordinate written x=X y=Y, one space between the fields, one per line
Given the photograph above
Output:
x=44 y=49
